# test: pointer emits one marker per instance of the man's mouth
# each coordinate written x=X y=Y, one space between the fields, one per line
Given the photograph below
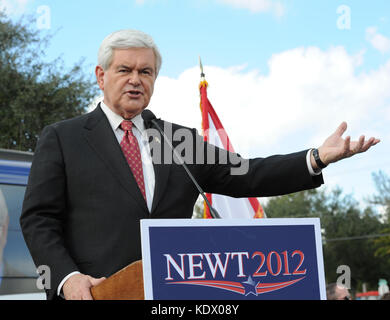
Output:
x=134 y=93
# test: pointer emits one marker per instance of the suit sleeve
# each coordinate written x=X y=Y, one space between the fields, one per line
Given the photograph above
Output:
x=229 y=174
x=44 y=210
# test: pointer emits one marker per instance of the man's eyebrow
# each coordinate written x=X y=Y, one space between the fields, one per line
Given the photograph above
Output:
x=147 y=67
x=122 y=66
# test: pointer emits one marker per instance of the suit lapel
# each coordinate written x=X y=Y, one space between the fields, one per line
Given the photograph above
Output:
x=161 y=173
x=101 y=138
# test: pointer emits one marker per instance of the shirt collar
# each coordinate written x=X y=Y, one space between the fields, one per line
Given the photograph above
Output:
x=115 y=119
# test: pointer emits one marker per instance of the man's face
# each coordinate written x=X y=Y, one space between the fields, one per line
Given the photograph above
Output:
x=129 y=81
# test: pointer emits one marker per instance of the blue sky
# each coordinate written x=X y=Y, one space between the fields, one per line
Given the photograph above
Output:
x=282 y=74
x=185 y=28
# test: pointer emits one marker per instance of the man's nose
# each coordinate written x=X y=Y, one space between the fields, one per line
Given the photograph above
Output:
x=134 y=78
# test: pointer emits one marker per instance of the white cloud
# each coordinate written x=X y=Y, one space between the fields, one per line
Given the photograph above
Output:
x=306 y=94
x=307 y=90
x=256 y=6
x=13 y=7
x=377 y=40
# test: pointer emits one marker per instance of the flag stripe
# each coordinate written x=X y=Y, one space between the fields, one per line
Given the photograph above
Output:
x=215 y=133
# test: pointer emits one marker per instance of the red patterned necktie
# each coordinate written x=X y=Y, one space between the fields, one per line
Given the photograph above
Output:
x=132 y=154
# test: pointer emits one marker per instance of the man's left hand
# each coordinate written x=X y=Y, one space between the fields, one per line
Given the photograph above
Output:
x=336 y=148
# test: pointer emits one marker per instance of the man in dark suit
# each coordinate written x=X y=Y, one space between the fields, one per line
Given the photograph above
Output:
x=95 y=176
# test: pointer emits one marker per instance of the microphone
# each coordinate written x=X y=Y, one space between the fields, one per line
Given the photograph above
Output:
x=149 y=117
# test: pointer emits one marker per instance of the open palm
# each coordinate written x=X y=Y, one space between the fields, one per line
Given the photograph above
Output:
x=336 y=148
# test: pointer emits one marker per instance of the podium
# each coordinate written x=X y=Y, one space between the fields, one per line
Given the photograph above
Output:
x=126 y=284
x=223 y=259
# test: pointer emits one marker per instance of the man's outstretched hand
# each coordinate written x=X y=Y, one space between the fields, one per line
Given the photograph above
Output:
x=336 y=148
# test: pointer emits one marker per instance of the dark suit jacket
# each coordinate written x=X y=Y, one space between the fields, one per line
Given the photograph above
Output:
x=82 y=205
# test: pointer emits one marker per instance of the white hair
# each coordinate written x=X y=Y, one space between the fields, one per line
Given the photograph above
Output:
x=125 y=39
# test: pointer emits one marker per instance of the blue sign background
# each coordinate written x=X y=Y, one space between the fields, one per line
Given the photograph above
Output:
x=210 y=239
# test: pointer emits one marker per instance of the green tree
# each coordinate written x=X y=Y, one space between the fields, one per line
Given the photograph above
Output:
x=34 y=93
x=294 y=205
x=382 y=201
x=346 y=232
x=382 y=198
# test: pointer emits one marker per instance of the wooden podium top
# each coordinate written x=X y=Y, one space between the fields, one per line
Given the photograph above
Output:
x=126 y=284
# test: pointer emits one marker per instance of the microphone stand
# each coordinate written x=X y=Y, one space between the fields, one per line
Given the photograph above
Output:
x=213 y=212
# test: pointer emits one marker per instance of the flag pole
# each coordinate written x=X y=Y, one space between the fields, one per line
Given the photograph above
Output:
x=203 y=84
x=205 y=108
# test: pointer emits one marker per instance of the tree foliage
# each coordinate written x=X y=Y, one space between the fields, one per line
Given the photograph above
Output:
x=346 y=232
x=382 y=199
x=34 y=93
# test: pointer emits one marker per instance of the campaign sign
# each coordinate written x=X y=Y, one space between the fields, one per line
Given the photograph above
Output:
x=232 y=259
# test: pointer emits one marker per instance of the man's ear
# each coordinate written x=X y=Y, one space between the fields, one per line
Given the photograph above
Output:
x=99 y=72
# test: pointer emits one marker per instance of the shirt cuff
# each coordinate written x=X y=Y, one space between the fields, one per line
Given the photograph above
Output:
x=309 y=167
x=59 y=289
